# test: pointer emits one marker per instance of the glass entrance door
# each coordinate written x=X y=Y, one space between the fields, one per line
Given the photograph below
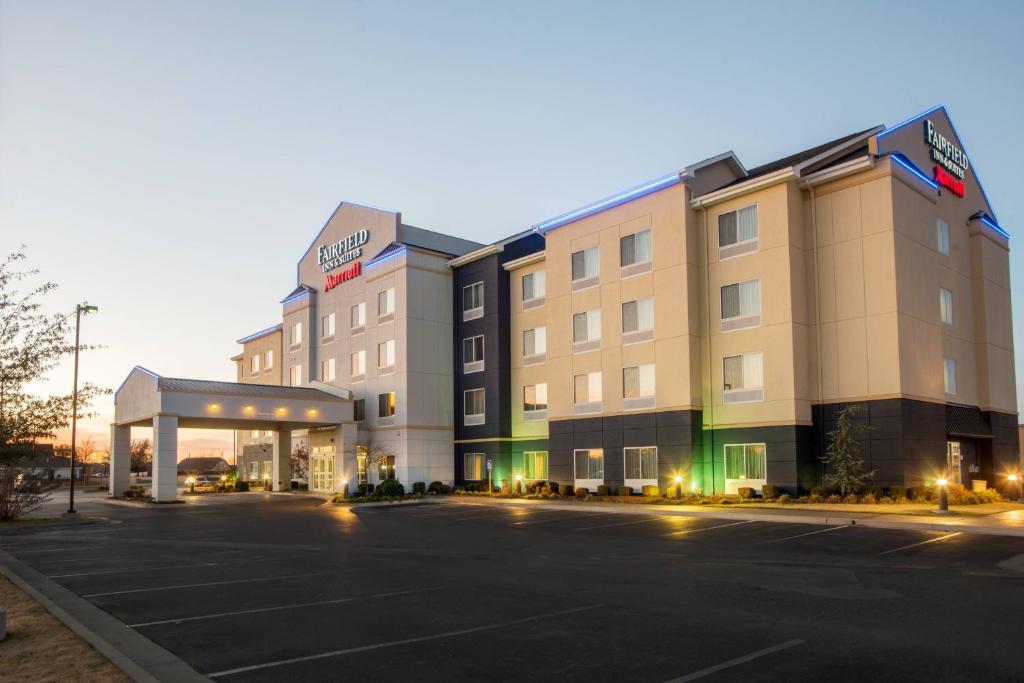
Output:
x=954 y=462
x=321 y=471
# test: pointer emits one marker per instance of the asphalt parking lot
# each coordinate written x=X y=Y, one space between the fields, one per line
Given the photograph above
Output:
x=276 y=587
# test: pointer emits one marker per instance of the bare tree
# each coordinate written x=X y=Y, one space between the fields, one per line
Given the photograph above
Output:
x=20 y=493
x=299 y=459
x=142 y=455
x=376 y=453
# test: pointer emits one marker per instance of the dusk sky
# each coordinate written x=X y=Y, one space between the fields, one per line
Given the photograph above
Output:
x=170 y=162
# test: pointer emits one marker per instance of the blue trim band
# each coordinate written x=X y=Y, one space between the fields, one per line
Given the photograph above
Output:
x=995 y=226
x=294 y=297
x=912 y=119
x=609 y=202
x=261 y=333
x=382 y=259
x=909 y=165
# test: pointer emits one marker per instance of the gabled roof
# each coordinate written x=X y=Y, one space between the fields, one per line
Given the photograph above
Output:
x=300 y=291
x=203 y=386
x=261 y=333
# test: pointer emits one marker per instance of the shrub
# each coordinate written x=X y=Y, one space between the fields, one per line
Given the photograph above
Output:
x=784 y=498
x=582 y=491
x=435 y=487
x=588 y=498
x=897 y=492
x=565 y=489
x=506 y=488
x=625 y=491
x=241 y=485
x=821 y=491
x=851 y=498
x=419 y=487
x=604 y=490
x=651 y=491
x=553 y=487
x=745 y=492
x=473 y=487
x=389 y=488
x=535 y=486
x=869 y=498
x=834 y=498
x=769 y=492
x=920 y=494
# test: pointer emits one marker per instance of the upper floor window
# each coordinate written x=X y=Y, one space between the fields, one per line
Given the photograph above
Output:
x=473 y=301
x=386 y=302
x=535 y=401
x=637 y=383
x=386 y=404
x=942 y=236
x=357 y=368
x=386 y=355
x=327 y=368
x=743 y=378
x=295 y=334
x=534 y=287
x=254 y=364
x=473 y=407
x=638 y=320
x=586 y=267
x=635 y=249
x=358 y=316
x=473 y=354
x=586 y=330
x=949 y=375
x=946 y=305
x=741 y=305
x=737 y=232
x=359 y=409
x=327 y=326
x=295 y=375
x=587 y=392
x=535 y=342
x=268 y=360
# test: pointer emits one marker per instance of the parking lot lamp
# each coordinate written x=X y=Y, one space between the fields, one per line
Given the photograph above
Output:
x=191 y=483
x=943 y=497
x=1015 y=486
x=79 y=310
x=519 y=484
x=679 y=487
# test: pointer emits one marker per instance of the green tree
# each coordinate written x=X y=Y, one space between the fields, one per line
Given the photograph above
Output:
x=32 y=343
x=845 y=467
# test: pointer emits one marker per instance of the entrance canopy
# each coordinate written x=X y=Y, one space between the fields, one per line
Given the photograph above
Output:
x=167 y=403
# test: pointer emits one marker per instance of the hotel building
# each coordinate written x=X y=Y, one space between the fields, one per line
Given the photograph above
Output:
x=708 y=324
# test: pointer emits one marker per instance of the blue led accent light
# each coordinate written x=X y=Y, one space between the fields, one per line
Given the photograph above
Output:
x=911 y=120
x=295 y=297
x=609 y=202
x=995 y=226
x=907 y=164
x=257 y=335
x=385 y=258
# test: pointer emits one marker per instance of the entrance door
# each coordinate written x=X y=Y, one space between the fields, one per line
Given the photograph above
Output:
x=321 y=472
x=954 y=461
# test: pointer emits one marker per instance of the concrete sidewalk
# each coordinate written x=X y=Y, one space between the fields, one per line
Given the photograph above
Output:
x=1008 y=523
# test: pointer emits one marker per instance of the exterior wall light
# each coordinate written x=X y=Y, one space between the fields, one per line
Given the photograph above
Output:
x=214 y=407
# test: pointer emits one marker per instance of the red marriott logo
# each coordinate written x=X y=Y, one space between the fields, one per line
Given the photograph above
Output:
x=335 y=279
x=946 y=180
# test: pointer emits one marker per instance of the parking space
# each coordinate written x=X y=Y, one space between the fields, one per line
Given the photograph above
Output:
x=285 y=588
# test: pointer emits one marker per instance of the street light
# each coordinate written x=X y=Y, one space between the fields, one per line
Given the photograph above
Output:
x=79 y=310
x=943 y=498
x=1015 y=483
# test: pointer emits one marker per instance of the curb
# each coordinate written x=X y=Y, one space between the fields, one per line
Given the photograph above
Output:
x=137 y=656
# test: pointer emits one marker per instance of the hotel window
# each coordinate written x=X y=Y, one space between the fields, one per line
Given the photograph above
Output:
x=741 y=305
x=949 y=375
x=473 y=354
x=535 y=465
x=946 y=305
x=386 y=468
x=942 y=236
x=641 y=466
x=359 y=409
x=386 y=355
x=743 y=378
x=473 y=407
x=327 y=326
x=254 y=469
x=587 y=392
x=254 y=434
x=586 y=330
x=268 y=361
x=533 y=289
x=295 y=334
x=535 y=401
x=386 y=404
x=295 y=375
x=254 y=364
x=638 y=387
x=473 y=466
x=473 y=301
x=327 y=370
x=585 y=267
x=358 y=316
x=744 y=461
x=737 y=232
x=357 y=367
x=589 y=464
x=635 y=253
x=386 y=302
x=535 y=345
x=637 y=321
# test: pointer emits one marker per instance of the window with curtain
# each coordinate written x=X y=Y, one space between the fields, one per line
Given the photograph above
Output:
x=587 y=388
x=473 y=350
x=327 y=325
x=585 y=263
x=942 y=236
x=638 y=381
x=473 y=404
x=641 y=463
x=359 y=409
x=358 y=364
x=745 y=461
x=638 y=316
x=743 y=371
x=327 y=368
x=535 y=397
x=635 y=248
x=949 y=375
x=295 y=334
x=473 y=297
x=535 y=464
x=589 y=463
x=473 y=469
x=535 y=341
x=586 y=326
x=268 y=360
x=736 y=227
x=741 y=299
x=946 y=305
x=533 y=285
x=386 y=404
x=254 y=364
x=386 y=355
x=358 y=315
x=386 y=302
x=295 y=375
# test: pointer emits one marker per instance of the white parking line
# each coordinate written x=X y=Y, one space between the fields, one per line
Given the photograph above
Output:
x=160 y=568
x=277 y=608
x=930 y=540
x=405 y=641
x=573 y=516
x=200 y=585
x=709 y=528
x=605 y=526
x=736 y=662
x=809 y=533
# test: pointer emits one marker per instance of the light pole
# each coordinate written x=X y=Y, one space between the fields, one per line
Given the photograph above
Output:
x=1015 y=483
x=679 y=487
x=79 y=310
x=943 y=498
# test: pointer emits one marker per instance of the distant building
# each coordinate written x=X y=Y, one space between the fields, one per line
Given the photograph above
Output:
x=203 y=465
x=43 y=461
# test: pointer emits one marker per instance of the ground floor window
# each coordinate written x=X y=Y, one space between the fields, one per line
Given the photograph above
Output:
x=267 y=465
x=321 y=472
x=589 y=464
x=535 y=464
x=641 y=465
x=474 y=466
x=254 y=469
x=744 y=466
x=386 y=467
x=362 y=471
